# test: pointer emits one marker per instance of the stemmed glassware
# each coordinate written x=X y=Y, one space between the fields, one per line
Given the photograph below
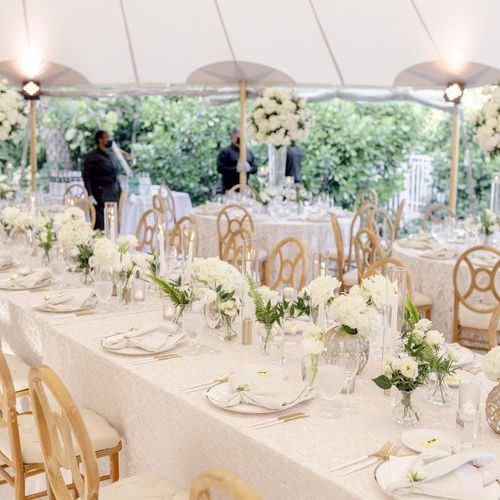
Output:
x=103 y=285
x=331 y=379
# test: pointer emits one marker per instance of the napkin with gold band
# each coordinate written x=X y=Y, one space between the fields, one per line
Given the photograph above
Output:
x=460 y=476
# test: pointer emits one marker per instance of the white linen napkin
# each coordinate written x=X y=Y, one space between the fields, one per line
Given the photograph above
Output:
x=271 y=392
x=441 y=253
x=151 y=338
x=418 y=242
x=6 y=263
x=31 y=280
x=68 y=300
x=442 y=475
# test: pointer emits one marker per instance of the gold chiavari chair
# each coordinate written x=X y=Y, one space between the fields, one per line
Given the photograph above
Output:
x=88 y=207
x=176 y=234
x=383 y=227
x=476 y=283
x=147 y=229
x=67 y=444
x=231 y=485
x=234 y=224
x=15 y=466
x=339 y=247
x=367 y=250
x=367 y=196
x=165 y=193
x=421 y=301
x=436 y=214
x=398 y=217
x=121 y=204
x=286 y=265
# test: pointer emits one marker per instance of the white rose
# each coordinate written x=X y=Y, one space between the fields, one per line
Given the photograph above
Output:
x=434 y=338
x=408 y=368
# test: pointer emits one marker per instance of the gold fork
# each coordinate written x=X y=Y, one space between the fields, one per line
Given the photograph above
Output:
x=377 y=454
x=381 y=455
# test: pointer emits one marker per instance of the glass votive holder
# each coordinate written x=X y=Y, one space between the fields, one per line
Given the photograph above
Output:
x=139 y=290
x=168 y=308
x=469 y=399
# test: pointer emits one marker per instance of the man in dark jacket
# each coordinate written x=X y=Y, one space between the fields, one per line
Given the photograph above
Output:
x=228 y=162
x=294 y=156
x=100 y=175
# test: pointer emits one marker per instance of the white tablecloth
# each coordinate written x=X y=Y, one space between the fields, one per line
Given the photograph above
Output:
x=270 y=231
x=136 y=205
x=179 y=435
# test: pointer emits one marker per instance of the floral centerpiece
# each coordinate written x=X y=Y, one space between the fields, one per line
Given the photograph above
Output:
x=125 y=266
x=8 y=219
x=225 y=281
x=11 y=111
x=279 y=118
x=179 y=294
x=488 y=125
x=491 y=368
x=269 y=310
x=266 y=194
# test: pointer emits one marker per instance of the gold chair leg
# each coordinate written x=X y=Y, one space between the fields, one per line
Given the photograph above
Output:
x=114 y=467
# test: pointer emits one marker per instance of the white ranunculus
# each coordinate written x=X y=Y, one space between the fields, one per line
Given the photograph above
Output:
x=105 y=253
x=322 y=289
x=434 y=338
x=491 y=364
x=408 y=368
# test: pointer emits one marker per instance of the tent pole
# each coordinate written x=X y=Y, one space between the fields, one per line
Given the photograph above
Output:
x=455 y=142
x=243 y=138
x=33 y=144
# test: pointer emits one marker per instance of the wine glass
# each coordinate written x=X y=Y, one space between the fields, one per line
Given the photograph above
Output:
x=103 y=285
x=192 y=324
x=212 y=312
x=58 y=265
x=331 y=379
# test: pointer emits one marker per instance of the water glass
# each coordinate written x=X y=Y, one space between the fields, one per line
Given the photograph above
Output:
x=469 y=399
x=58 y=264
x=319 y=263
x=330 y=380
x=103 y=285
x=212 y=313
x=192 y=324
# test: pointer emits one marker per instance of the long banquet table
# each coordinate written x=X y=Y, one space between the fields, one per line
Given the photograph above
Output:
x=179 y=434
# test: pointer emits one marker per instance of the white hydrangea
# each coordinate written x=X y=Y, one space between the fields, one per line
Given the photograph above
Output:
x=491 y=364
x=488 y=122
x=105 y=253
x=9 y=215
x=69 y=215
x=74 y=232
x=268 y=295
x=11 y=111
x=213 y=272
x=433 y=338
x=378 y=289
x=322 y=289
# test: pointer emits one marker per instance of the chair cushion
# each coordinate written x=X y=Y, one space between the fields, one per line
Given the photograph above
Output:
x=102 y=435
x=350 y=277
x=143 y=487
x=419 y=299
x=471 y=319
x=19 y=371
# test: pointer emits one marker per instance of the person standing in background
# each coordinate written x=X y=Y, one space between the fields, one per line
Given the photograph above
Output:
x=228 y=162
x=100 y=175
x=294 y=155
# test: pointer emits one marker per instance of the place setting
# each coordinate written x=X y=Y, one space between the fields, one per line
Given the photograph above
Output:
x=26 y=279
x=67 y=301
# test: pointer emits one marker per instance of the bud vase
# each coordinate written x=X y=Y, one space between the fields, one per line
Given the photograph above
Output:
x=265 y=337
x=310 y=365
x=439 y=391
x=227 y=333
x=405 y=412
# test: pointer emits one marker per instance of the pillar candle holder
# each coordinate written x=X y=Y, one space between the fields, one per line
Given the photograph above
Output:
x=111 y=220
x=319 y=263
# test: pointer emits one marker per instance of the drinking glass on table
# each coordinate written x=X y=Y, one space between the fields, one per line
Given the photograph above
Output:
x=103 y=285
x=331 y=379
x=349 y=351
x=192 y=325
x=58 y=265
x=212 y=312
x=469 y=400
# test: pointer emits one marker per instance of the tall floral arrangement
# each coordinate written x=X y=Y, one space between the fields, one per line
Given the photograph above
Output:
x=279 y=117
x=488 y=123
x=11 y=111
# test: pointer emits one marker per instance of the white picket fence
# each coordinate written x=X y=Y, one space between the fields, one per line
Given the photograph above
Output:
x=418 y=190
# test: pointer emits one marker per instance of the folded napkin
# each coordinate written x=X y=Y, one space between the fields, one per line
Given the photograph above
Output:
x=6 y=263
x=441 y=253
x=29 y=280
x=68 y=300
x=418 y=243
x=463 y=476
x=269 y=391
x=151 y=338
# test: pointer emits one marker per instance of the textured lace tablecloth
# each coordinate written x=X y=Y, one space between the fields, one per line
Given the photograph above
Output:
x=179 y=435
x=270 y=231
x=135 y=206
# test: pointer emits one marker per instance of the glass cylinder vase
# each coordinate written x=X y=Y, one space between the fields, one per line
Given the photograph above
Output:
x=439 y=391
x=277 y=166
x=266 y=333
x=310 y=364
x=227 y=333
x=405 y=412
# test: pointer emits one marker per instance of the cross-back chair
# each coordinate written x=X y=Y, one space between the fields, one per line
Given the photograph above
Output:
x=147 y=230
x=286 y=265
x=178 y=235
x=66 y=445
x=436 y=214
x=476 y=283
x=168 y=205
x=233 y=486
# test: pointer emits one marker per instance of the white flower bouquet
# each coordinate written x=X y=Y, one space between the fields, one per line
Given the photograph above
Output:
x=8 y=218
x=11 y=111
x=280 y=118
x=491 y=364
x=46 y=237
x=488 y=123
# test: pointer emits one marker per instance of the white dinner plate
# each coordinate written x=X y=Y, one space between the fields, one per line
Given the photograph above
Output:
x=382 y=475
x=136 y=351
x=421 y=440
x=221 y=391
x=49 y=309
x=20 y=289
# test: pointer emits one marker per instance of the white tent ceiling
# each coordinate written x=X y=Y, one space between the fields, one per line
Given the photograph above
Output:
x=150 y=44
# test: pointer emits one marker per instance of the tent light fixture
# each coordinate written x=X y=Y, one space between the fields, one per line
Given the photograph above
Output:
x=31 y=90
x=454 y=92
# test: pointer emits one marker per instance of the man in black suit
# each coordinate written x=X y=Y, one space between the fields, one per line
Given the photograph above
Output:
x=228 y=162
x=100 y=175
x=294 y=155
